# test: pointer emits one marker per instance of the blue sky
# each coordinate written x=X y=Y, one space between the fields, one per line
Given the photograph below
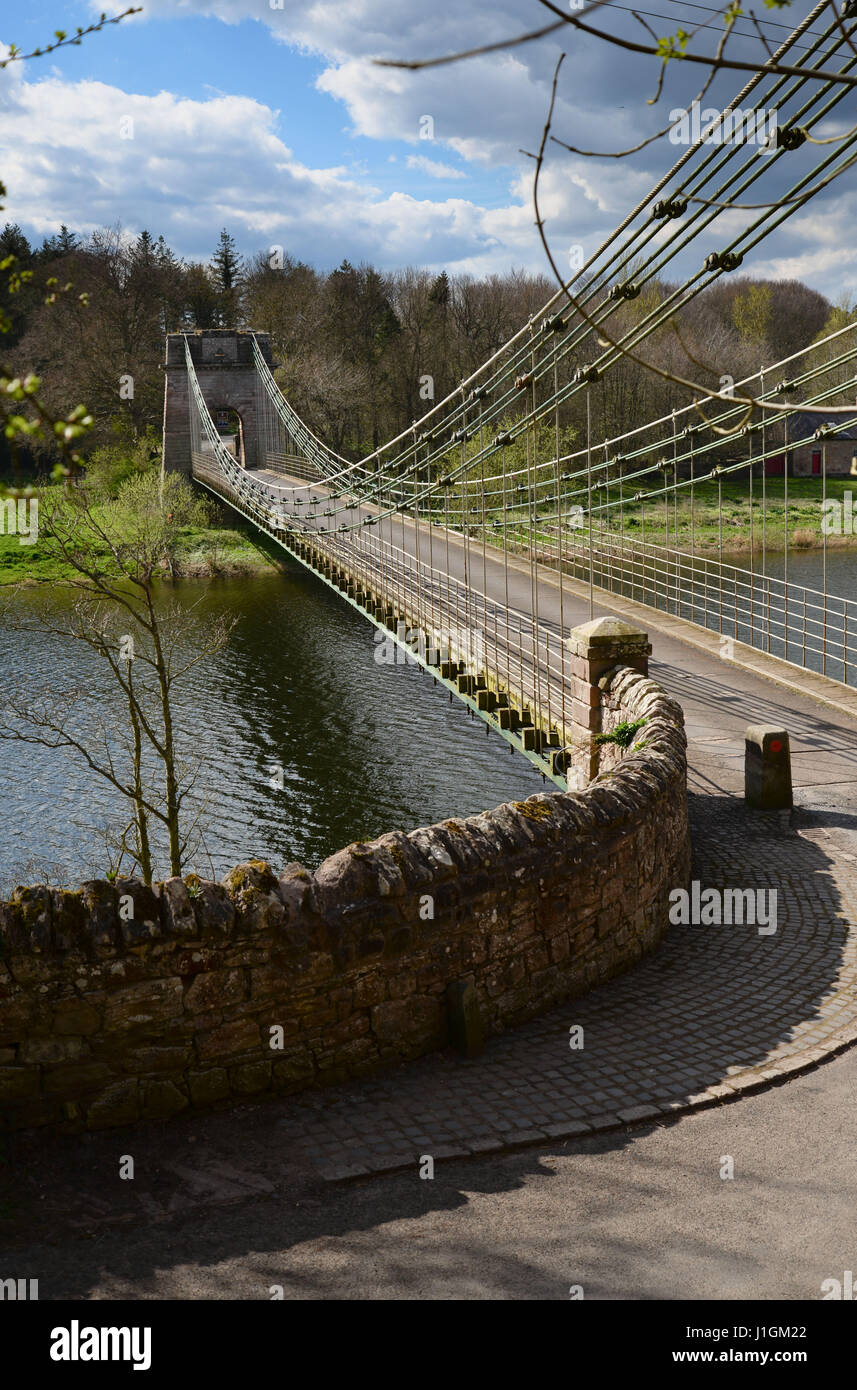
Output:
x=276 y=124
x=199 y=56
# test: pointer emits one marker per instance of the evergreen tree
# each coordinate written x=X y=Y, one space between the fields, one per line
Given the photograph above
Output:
x=144 y=248
x=66 y=241
x=14 y=243
x=228 y=273
x=164 y=253
x=62 y=245
x=17 y=294
x=439 y=292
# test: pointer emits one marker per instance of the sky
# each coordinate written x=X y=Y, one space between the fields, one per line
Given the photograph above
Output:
x=270 y=118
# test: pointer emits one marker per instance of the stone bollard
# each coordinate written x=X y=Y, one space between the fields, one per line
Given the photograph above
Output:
x=596 y=647
x=767 y=769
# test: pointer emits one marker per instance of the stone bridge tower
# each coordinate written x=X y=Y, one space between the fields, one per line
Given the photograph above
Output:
x=223 y=359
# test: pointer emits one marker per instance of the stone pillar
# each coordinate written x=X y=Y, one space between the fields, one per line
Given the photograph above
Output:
x=225 y=368
x=596 y=647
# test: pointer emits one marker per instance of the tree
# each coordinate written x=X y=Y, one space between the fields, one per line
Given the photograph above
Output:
x=283 y=296
x=107 y=348
x=439 y=292
x=53 y=248
x=227 y=272
x=200 y=297
x=751 y=312
x=66 y=241
x=17 y=297
x=144 y=646
x=24 y=413
x=14 y=243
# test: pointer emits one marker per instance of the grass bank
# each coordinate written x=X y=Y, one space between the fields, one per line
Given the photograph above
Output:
x=741 y=525
x=703 y=523
x=228 y=547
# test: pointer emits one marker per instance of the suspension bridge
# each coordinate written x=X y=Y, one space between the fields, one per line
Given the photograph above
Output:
x=467 y=537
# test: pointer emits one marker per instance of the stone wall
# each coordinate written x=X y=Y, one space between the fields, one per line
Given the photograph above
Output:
x=120 y=1002
x=840 y=452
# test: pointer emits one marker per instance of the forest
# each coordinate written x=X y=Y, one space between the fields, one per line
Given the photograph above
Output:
x=362 y=352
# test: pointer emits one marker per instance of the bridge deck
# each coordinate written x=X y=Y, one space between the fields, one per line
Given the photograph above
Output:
x=719 y=697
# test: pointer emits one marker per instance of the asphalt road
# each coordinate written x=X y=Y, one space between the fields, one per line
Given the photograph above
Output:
x=641 y=1214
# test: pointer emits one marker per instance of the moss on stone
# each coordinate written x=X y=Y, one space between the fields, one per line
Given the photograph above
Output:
x=534 y=810
x=236 y=879
x=399 y=858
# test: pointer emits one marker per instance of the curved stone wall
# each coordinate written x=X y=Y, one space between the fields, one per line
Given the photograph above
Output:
x=120 y=1002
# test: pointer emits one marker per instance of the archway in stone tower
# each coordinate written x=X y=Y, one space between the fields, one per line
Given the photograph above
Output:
x=230 y=427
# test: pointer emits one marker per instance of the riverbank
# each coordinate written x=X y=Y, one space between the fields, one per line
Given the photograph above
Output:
x=712 y=517
x=734 y=518
x=231 y=548
x=228 y=548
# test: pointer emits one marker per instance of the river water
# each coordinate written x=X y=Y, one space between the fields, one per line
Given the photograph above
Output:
x=810 y=620
x=365 y=747
x=822 y=632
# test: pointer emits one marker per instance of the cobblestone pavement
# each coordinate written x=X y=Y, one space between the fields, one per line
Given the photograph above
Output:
x=714 y=1012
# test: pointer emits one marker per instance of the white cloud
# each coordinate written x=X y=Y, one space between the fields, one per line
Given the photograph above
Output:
x=433 y=168
x=485 y=110
x=89 y=154
x=818 y=250
x=366 y=28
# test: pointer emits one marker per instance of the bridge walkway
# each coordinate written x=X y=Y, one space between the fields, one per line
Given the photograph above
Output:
x=720 y=696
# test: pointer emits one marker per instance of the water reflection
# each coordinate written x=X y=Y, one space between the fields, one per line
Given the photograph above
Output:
x=364 y=748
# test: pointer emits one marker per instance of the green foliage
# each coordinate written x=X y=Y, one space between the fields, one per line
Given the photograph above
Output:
x=840 y=316
x=673 y=46
x=63 y=40
x=622 y=735
x=112 y=465
x=149 y=511
x=202 y=539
